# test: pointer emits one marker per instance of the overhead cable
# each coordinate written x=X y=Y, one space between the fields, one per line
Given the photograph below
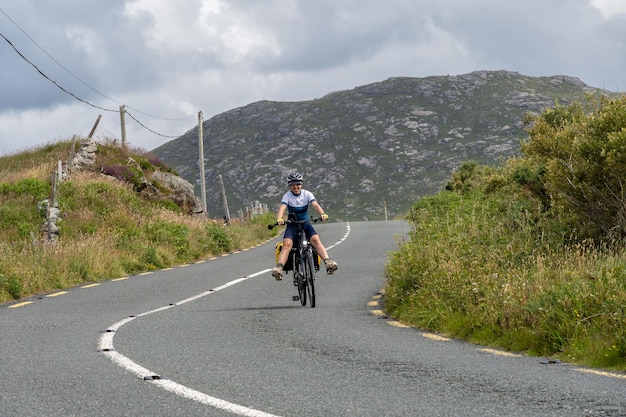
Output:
x=80 y=99
x=147 y=128
x=51 y=80
x=52 y=58
x=83 y=82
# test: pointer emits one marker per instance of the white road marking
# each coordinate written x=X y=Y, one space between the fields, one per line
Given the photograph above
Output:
x=106 y=346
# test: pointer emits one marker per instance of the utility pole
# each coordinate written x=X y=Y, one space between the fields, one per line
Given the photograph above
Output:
x=201 y=163
x=123 y=124
x=224 y=199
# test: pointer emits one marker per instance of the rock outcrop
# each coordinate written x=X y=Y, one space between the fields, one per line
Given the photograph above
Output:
x=155 y=185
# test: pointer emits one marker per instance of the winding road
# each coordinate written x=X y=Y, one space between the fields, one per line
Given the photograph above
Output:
x=222 y=338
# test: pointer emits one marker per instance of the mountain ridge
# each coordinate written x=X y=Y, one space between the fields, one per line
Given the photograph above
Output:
x=368 y=152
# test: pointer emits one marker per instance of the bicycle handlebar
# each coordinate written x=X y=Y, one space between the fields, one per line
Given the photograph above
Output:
x=314 y=219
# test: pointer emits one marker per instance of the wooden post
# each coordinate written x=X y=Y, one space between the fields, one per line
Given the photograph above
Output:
x=123 y=125
x=71 y=157
x=201 y=163
x=50 y=203
x=226 y=211
x=95 y=125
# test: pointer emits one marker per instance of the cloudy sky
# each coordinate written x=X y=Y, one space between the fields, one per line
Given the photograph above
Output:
x=166 y=60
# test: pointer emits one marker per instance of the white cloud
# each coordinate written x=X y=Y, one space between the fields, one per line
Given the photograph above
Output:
x=171 y=59
x=610 y=8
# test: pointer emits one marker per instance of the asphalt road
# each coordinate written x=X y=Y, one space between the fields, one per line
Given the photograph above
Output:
x=222 y=338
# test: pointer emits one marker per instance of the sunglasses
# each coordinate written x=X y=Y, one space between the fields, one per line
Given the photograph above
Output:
x=294 y=184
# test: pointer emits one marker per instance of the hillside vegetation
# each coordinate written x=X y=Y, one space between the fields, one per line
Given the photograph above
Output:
x=372 y=150
x=530 y=256
x=107 y=230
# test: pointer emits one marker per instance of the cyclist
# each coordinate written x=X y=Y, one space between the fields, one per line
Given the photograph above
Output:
x=297 y=201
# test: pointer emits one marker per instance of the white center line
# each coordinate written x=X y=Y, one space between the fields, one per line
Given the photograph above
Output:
x=106 y=346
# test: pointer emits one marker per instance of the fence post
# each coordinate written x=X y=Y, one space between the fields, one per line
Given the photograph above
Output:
x=201 y=163
x=123 y=125
x=227 y=212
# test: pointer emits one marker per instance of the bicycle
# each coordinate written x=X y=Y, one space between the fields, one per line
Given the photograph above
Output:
x=302 y=261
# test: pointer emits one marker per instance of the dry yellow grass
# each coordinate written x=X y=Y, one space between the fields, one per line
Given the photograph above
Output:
x=107 y=229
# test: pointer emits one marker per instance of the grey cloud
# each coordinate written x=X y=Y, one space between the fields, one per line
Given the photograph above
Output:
x=201 y=56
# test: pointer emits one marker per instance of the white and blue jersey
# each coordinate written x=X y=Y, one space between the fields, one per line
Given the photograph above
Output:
x=298 y=205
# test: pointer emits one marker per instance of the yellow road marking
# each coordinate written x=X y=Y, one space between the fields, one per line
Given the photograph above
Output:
x=372 y=303
x=378 y=313
x=90 y=286
x=499 y=352
x=25 y=303
x=435 y=337
x=120 y=279
x=56 y=294
x=145 y=273
x=399 y=325
x=601 y=373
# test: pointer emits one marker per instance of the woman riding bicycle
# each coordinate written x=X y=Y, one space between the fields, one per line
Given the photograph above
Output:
x=297 y=201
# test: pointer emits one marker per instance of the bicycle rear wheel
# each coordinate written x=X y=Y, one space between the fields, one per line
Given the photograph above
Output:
x=309 y=276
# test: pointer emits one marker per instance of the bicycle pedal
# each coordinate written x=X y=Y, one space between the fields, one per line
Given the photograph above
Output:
x=295 y=298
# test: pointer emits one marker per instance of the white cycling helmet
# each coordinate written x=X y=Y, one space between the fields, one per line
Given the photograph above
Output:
x=294 y=177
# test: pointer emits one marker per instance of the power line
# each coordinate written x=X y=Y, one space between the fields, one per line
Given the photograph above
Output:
x=52 y=58
x=74 y=95
x=51 y=80
x=80 y=99
x=77 y=78
x=147 y=128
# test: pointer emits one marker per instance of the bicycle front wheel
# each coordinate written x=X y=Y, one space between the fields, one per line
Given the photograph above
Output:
x=309 y=275
x=301 y=279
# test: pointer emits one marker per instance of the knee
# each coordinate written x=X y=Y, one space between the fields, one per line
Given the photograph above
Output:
x=315 y=239
x=287 y=244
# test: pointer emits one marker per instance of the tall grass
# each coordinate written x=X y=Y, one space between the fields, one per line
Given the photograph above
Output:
x=489 y=267
x=107 y=230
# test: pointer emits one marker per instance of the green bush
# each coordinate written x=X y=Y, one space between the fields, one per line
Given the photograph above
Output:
x=584 y=155
x=216 y=239
x=483 y=267
x=172 y=234
x=35 y=188
x=12 y=285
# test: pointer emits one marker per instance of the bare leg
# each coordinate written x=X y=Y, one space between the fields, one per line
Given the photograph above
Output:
x=331 y=266
x=319 y=247
x=284 y=253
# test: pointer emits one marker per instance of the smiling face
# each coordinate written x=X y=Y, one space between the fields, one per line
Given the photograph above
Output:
x=295 y=187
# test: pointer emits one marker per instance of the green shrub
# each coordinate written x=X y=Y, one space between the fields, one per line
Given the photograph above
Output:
x=12 y=285
x=35 y=188
x=584 y=155
x=152 y=259
x=216 y=239
x=488 y=261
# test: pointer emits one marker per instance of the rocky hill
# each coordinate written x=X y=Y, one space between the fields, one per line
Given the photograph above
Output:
x=375 y=147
